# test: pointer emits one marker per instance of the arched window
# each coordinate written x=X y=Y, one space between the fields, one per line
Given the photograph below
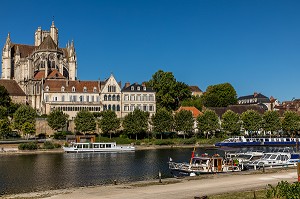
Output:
x=118 y=97
x=62 y=89
x=105 y=107
x=105 y=97
x=118 y=107
x=95 y=90
x=109 y=107
x=113 y=98
x=114 y=107
x=47 y=88
x=84 y=89
x=73 y=89
x=109 y=97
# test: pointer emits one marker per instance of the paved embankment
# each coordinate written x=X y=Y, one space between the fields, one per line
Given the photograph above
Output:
x=173 y=188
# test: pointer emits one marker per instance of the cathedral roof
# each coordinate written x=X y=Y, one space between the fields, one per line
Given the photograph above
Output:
x=25 y=50
x=55 y=75
x=39 y=75
x=12 y=87
x=48 y=44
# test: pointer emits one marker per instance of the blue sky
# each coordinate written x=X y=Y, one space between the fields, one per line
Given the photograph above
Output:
x=252 y=44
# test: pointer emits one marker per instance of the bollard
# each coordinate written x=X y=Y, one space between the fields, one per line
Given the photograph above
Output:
x=298 y=170
x=159 y=176
x=115 y=182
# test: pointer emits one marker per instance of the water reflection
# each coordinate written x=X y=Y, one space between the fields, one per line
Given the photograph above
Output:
x=35 y=172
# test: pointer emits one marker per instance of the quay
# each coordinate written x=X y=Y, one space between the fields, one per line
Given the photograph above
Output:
x=185 y=188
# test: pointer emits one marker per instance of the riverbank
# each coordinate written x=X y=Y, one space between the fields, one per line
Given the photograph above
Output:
x=10 y=149
x=183 y=188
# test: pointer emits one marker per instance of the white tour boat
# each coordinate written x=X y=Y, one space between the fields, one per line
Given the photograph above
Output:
x=77 y=147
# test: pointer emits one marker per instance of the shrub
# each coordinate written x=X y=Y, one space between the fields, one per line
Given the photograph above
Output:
x=188 y=141
x=163 y=142
x=62 y=135
x=48 y=145
x=284 y=190
x=28 y=146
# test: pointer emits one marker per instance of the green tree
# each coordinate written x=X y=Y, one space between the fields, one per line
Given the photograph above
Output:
x=252 y=121
x=57 y=119
x=109 y=122
x=23 y=114
x=271 y=121
x=290 y=122
x=85 y=121
x=208 y=122
x=162 y=121
x=3 y=112
x=231 y=122
x=136 y=122
x=169 y=92
x=195 y=101
x=5 y=127
x=28 y=128
x=184 y=122
x=4 y=97
x=220 y=95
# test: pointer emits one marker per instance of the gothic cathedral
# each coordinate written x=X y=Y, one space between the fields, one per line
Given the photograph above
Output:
x=31 y=65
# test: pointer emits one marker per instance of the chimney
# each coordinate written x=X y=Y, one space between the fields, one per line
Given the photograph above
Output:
x=255 y=94
x=127 y=84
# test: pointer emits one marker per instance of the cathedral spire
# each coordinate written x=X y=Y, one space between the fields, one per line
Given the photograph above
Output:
x=8 y=41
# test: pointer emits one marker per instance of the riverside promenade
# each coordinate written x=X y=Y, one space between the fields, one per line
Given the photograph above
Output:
x=186 y=188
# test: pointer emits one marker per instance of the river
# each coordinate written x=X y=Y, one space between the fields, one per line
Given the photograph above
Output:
x=37 y=172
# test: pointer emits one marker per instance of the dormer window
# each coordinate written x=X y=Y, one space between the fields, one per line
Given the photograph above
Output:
x=132 y=88
x=47 y=88
x=84 y=89
x=73 y=89
x=95 y=90
x=144 y=88
x=138 y=88
x=62 y=89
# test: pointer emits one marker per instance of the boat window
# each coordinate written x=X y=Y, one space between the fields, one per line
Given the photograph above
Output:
x=85 y=146
x=79 y=146
x=287 y=139
x=280 y=157
x=96 y=146
x=273 y=157
x=267 y=140
x=102 y=145
x=108 y=145
x=266 y=156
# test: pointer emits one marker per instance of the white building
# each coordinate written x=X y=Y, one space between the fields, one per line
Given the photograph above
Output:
x=136 y=96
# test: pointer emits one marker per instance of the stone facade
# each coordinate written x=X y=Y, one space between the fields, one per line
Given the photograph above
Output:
x=30 y=65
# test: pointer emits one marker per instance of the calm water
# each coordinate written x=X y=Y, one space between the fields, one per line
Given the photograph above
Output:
x=36 y=172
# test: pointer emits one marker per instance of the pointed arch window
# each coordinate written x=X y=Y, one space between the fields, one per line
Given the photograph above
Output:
x=109 y=97
x=118 y=97
x=113 y=98
x=95 y=90
x=73 y=89
x=47 y=88
x=62 y=89
x=105 y=97
x=118 y=107
x=109 y=107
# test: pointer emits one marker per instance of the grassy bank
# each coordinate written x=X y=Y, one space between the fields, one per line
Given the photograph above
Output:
x=255 y=194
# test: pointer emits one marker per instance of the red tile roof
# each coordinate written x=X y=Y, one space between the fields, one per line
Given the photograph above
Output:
x=193 y=109
x=56 y=85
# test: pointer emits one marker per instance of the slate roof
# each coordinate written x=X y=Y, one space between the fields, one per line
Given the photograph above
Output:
x=195 y=89
x=193 y=109
x=48 y=43
x=260 y=98
x=25 y=50
x=56 y=85
x=135 y=87
x=12 y=87
x=237 y=109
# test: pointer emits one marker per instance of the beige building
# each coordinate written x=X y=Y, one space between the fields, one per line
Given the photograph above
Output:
x=71 y=96
x=136 y=96
x=110 y=95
